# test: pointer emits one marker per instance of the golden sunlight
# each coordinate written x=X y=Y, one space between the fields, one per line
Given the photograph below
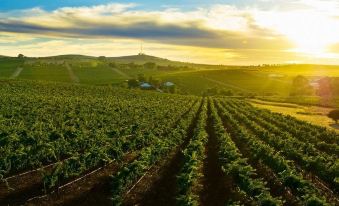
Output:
x=312 y=32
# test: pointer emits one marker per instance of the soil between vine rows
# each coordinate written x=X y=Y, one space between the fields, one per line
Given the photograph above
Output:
x=160 y=186
x=217 y=188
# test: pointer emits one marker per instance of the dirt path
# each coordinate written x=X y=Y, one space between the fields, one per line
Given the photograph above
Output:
x=16 y=73
x=71 y=74
x=217 y=189
x=90 y=186
x=158 y=187
x=33 y=194
x=121 y=73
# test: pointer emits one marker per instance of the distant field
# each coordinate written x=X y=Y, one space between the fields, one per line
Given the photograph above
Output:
x=303 y=100
x=312 y=114
x=52 y=72
x=96 y=74
x=306 y=70
x=8 y=66
x=271 y=83
x=241 y=80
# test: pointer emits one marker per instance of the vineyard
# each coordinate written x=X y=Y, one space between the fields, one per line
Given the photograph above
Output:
x=64 y=144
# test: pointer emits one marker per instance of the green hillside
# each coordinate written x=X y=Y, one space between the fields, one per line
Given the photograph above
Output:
x=8 y=66
x=189 y=78
x=142 y=59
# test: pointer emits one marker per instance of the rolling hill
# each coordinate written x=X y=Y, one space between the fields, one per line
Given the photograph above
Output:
x=188 y=77
x=137 y=59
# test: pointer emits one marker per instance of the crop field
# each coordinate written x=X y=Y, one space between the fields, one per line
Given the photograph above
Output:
x=240 y=80
x=8 y=67
x=102 y=72
x=306 y=69
x=314 y=114
x=91 y=145
x=169 y=103
x=192 y=79
x=50 y=72
x=271 y=83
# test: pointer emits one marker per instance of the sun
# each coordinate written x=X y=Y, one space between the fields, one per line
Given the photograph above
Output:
x=311 y=32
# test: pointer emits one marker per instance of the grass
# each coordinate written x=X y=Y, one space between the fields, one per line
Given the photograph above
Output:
x=303 y=100
x=96 y=74
x=50 y=72
x=279 y=104
x=271 y=82
x=8 y=66
x=313 y=114
x=240 y=80
x=305 y=70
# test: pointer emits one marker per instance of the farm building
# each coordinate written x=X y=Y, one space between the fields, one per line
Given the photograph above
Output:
x=145 y=85
x=169 y=84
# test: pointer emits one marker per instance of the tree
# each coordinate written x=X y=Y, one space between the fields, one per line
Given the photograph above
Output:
x=325 y=88
x=102 y=58
x=141 y=78
x=211 y=91
x=112 y=64
x=301 y=86
x=21 y=56
x=155 y=82
x=150 y=65
x=226 y=92
x=172 y=89
x=334 y=114
x=132 y=83
x=334 y=86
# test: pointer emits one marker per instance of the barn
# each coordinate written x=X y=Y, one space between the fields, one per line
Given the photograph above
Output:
x=169 y=84
x=145 y=85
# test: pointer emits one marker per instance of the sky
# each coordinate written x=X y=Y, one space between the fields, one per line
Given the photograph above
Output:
x=241 y=32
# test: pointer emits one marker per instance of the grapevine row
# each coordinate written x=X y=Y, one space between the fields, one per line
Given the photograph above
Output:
x=189 y=184
x=235 y=165
x=287 y=174
x=150 y=155
x=325 y=166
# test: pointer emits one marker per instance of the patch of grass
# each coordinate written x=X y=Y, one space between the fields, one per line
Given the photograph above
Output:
x=234 y=79
x=303 y=100
x=8 y=66
x=96 y=74
x=49 y=72
x=314 y=115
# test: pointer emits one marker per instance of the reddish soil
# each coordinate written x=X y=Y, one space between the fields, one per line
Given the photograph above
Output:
x=91 y=190
x=22 y=187
x=31 y=186
x=217 y=187
x=158 y=186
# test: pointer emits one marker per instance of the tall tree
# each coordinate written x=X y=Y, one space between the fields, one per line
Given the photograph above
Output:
x=301 y=86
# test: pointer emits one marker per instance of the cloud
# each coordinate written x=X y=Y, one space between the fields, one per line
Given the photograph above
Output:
x=270 y=31
x=121 y=47
x=218 y=27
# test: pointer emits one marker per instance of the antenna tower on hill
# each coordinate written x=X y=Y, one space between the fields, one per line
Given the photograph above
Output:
x=141 y=49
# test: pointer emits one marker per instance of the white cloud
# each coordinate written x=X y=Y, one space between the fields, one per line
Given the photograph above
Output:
x=282 y=29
